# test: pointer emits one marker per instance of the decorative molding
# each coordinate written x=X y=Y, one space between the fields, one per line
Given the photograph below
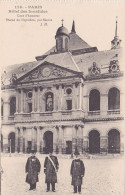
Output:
x=114 y=66
x=104 y=76
x=104 y=119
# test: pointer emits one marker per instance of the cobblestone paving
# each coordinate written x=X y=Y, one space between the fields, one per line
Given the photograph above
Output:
x=102 y=177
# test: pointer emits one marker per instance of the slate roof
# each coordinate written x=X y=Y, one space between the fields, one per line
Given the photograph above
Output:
x=75 y=42
x=102 y=59
x=64 y=60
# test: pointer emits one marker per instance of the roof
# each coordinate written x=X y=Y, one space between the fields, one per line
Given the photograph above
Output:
x=62 y=31
x=75 y=42
x=102 y=59
x=64 y=60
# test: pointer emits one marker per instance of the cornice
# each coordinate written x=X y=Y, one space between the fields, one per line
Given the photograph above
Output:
x=104 y=76
x=103 y=119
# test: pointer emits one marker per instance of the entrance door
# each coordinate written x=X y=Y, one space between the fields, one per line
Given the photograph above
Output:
x=68 y=147
x=114 y=141
x=48 y=140
x=94 y=142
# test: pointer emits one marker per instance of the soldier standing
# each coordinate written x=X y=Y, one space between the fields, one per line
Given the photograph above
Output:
x=51 y=166
x=32 y=169
x=77 y=172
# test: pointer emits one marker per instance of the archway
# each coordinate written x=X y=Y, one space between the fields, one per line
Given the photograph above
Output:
x=94 y=142
x=11 y=142
x=114 y=141
x=48 y=141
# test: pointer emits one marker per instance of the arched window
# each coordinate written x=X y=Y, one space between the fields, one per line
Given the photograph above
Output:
x=12 y=106
x=49 y=101
x=59 y=44
x=1 y=107
x=94 y=100
x=113 y=99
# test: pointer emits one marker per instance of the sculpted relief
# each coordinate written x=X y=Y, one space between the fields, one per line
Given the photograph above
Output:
x=46 y=72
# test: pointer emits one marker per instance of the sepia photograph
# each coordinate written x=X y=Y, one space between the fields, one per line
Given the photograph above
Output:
x=62 y=97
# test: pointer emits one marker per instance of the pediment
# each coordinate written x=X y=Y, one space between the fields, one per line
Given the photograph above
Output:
x=47 y=71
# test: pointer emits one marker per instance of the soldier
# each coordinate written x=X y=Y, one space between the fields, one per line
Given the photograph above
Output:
x=51 y=166
x=32 y=169
x=77 y=172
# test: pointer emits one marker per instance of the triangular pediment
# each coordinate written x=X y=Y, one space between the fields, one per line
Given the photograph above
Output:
x=47 y=71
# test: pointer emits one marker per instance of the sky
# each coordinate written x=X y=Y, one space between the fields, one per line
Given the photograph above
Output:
x=94 y=22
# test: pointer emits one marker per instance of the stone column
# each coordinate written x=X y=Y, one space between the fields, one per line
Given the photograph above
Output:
x=74 y=105
x=17 y=101
x=38 y=139
x=55 y=102
x=16 y=139
x=21 y=139
x=33 y=138
x=122 y=141
x=6 y=109
x=79 y=138
x=60 y=99
x=33 y=100
x=25 y=140
x=80 y=96
x=103 y=104
x=41 y=141
x=60 y=139
x=38 y=99
x=55 y=139
x=103 y=144
x=22 y=101
x=74 y=140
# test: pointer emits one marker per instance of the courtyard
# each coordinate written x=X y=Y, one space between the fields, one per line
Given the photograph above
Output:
x=103 y=176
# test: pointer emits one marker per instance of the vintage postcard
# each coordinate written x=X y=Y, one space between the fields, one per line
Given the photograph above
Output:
x=62 y=94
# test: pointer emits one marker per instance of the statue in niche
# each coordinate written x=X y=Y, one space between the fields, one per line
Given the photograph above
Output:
x=49 y=102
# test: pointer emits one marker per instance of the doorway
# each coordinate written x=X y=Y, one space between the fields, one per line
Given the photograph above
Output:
x=94 y=142
x=114 y=141
x=68 y=147
x=48 y=141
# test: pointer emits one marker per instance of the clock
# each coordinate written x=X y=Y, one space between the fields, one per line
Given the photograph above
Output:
x=46 y=72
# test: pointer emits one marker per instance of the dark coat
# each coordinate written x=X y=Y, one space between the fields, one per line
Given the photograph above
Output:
x=77 y=171
x=32 y=169
x=51 y=175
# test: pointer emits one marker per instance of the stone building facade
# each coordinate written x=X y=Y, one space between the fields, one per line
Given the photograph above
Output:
x=69 y=97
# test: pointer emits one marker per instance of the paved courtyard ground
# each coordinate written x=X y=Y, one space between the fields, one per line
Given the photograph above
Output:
x=102 y=177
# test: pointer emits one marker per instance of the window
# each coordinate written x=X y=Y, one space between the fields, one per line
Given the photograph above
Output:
x=68 y=91
x=69 y=104
x=49 y=101
x=59 y=44
x=29 y=107
x=94 y=100
x=113 y=99
x=29 y=94
x=12 y=106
